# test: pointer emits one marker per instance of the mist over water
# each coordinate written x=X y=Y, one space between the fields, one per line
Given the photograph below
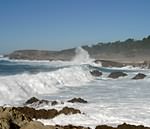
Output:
x=110 y=101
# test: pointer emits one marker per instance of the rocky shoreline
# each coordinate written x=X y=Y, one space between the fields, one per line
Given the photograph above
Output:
x=26 y=117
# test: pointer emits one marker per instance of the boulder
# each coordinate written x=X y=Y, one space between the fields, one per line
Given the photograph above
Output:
x=96 y=73
x=77 y=100
x=35 y=125
x=115 y=75
x=38 y=114
x=53 y=103
x=139 y=76
x=32 y=100
x=67 y=111
x=12 y=119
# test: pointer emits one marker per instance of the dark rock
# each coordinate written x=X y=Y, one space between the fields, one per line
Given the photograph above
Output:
x=123 y=126
x=74 y=127
x=77 y=100
x=32 y=100
x=104 y=127
x=53 y=103
x=43 y=101
x=45 y=114
x=67 y=111
x=38 y=114
x=139 y=76
x=36 y=101
x=96 y=73
x=115 y=75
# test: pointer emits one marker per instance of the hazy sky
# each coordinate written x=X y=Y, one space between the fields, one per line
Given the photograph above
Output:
x=59 y=24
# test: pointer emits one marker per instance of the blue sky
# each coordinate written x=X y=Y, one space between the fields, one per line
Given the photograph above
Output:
x=59 y=24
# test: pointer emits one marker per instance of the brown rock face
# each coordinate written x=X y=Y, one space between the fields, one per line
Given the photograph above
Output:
x=77 y=100
x=139 y=76
x=96 y=73
x=35 y=125
x=115 y=75
x=38 y=114
x=123 y=126
x=45 y=114
x=12 y=119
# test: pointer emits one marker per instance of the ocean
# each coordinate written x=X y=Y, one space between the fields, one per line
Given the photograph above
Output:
x=110 y=101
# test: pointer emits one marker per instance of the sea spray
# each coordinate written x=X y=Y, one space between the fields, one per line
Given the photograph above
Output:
x=82 y=56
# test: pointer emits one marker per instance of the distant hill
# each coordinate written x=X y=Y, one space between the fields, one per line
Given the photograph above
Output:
x=125 y=51
x=130 y=49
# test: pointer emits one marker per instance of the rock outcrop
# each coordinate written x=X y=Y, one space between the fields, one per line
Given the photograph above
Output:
x=96 y=73
x=139 y=76
x=123 y=126
x=12 y=119
x=115 y=75
x=45 y=114
x=77 y=100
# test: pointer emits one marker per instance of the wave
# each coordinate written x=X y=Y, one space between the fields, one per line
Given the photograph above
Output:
x=18 y=87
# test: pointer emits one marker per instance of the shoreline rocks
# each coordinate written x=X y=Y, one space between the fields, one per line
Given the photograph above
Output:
x=117 y=74
x=139 y=76
x=45 y=114
x=96 y=73
x=11 y=118
x=77 y=100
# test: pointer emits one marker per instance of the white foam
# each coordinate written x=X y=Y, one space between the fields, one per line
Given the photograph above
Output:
x=18 y=87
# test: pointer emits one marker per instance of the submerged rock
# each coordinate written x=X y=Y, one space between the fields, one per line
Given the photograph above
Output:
x=53 y=103
x=115 y=75
x=96 y=73
x=32 y=100
x=68 y=110
x=36 y=101
x=77 y=100
x=139 y=76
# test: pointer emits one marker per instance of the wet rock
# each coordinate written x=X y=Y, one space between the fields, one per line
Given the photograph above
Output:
x=139 y=76
x=123 y=126
x=45 y=114
x=38 y=114
x=115 y=75
x=104 y=127
x=53 y=103
x=96 y=73
x=67 y=111
x=36 y=102
x=74 y=127
x=32 y=100
x=77 y=100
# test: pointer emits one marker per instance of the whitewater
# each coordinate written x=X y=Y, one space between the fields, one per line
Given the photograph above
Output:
x=110 y=101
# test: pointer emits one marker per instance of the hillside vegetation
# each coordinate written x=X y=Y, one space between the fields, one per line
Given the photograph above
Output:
x=127 y=51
